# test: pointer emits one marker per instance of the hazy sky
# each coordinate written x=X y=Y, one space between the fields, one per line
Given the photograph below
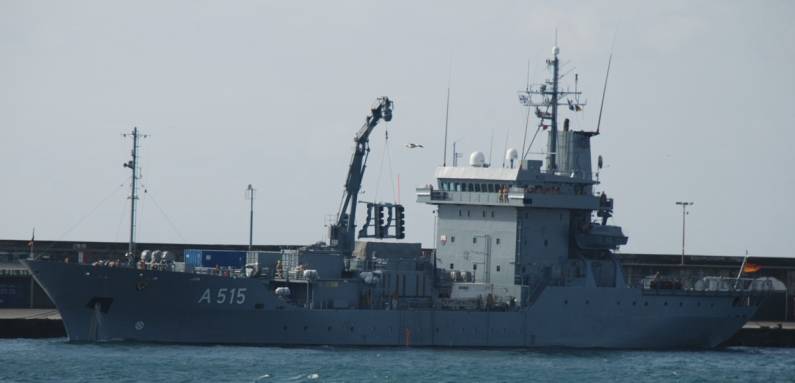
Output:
x=699 y=107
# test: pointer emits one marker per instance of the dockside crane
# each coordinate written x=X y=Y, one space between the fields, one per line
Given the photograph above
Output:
x=342 y=232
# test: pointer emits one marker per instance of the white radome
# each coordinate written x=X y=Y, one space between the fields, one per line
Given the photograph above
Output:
x=511 y=155
x=477 y=159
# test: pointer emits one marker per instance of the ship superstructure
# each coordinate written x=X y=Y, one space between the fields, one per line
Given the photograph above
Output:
x=524 y=258
x=519 y=228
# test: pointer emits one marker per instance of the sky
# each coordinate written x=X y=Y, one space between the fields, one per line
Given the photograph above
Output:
x=270 y=93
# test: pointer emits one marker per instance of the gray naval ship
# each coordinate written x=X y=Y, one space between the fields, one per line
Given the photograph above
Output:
x=524 y=258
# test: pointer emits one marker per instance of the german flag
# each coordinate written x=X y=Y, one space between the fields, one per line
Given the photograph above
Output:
x=751 y=268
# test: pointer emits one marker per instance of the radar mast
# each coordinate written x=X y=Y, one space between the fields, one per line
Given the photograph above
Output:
x=546 y=98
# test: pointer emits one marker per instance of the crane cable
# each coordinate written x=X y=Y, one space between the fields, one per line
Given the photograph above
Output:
x=386 y=156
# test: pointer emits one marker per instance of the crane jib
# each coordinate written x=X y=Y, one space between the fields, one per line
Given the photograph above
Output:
x=342 y=232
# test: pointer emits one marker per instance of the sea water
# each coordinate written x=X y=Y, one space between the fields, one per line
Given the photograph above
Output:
x=55 y=360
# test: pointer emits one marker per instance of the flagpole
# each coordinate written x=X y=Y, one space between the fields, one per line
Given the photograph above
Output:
x=32 y=242
x=742 y=267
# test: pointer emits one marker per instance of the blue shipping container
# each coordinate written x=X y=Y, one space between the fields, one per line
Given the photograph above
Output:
x=211 y=258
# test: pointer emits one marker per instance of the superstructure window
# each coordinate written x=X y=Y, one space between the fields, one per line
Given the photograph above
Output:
x=483 y=187
x=452 y=239
x=498 y=241
x=477 y=188
x=491 y=188
x=470 y=187
x=474 y=240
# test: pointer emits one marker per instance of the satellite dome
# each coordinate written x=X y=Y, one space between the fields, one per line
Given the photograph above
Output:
x=511 y=155
x=477 y=159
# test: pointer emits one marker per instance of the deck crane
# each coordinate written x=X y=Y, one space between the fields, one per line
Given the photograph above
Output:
x=342 y=232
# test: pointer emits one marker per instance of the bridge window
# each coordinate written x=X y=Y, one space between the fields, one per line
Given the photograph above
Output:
x=477 y=188
x=491 y=188
x=483 y=187
x=470 y=187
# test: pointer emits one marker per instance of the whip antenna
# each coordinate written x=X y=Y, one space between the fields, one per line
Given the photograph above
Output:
x=604 y=90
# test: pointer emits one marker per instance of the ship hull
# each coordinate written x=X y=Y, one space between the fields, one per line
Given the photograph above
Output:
x=109 y=304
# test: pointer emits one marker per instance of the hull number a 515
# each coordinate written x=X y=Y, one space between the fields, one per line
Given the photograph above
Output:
x=224 y=295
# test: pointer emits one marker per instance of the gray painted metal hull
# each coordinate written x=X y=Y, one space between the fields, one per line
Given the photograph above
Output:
x=105 y=304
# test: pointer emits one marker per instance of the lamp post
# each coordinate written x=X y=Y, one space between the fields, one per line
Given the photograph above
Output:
x=250 y=197
x=684 y=214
